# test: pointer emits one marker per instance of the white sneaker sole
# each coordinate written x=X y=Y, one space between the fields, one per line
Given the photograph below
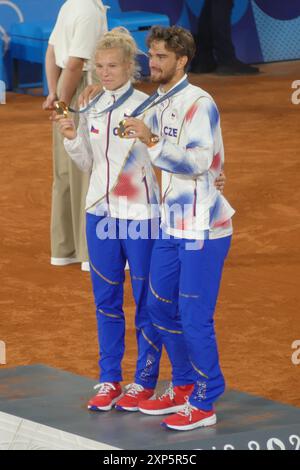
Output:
x=165 y=411
x=125 y=408
x=200 y=424
x=63 y=261
x=105 y=408
x=134 y=408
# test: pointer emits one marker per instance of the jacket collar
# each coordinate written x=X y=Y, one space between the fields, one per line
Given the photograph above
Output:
x=119 y=92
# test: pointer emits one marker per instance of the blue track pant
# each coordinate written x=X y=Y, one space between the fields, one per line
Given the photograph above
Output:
x=184 y=286
x=107 y=261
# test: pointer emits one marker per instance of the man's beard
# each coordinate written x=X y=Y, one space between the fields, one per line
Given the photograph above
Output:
x=165 y=79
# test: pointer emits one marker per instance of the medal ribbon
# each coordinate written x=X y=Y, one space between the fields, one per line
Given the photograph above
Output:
x=110 y=108
x=150 y=102
x=145 y=106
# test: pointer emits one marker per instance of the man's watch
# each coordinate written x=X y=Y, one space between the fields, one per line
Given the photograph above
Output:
x=154 y=139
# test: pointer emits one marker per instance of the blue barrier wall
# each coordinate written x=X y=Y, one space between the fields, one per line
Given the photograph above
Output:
x=263 y=30
x=18 y=11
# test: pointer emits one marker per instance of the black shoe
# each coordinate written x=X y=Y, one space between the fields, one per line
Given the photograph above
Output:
x=203 y=68
x=237 y=68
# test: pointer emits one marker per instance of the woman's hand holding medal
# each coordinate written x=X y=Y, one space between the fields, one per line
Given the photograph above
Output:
x=66 y=126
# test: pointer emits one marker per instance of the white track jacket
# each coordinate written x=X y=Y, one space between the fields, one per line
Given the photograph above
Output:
x=191 y=155
x=123 y=183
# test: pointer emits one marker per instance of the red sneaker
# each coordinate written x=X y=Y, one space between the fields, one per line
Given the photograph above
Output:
x=109 y=393
x=133 y=395
x=190 y=418
x=171 y=401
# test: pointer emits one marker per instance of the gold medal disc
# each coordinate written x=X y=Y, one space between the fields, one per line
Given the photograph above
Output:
x=121 y=129
x=61 y=108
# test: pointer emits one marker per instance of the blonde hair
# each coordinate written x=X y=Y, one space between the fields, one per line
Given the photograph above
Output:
x=121 y=38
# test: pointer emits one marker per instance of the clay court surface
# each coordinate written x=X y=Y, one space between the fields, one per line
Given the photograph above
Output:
x=47 y=313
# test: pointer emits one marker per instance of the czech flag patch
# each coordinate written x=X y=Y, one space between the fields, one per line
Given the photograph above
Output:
x=94 y=130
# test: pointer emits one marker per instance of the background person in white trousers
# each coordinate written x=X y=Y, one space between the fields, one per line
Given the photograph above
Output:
x=79 y=26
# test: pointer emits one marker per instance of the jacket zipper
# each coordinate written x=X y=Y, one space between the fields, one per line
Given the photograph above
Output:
x=195 y=200
x=146 y=184
x=165 y=195
x=106 y=156
x=167 y=190
x=161 y=117
x=168 y=187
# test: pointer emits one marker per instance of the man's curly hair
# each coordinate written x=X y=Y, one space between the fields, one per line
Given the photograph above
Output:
x=176 y=39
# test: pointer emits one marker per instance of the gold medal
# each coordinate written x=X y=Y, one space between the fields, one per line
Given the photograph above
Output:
x=121 y=129
x=61 y=108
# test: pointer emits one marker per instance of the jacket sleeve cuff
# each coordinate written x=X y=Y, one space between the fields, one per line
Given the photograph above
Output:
x=72 y=144
x=156 y=149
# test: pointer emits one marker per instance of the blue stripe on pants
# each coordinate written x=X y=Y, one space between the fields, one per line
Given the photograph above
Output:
x=184 y=286
x=107 y=258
